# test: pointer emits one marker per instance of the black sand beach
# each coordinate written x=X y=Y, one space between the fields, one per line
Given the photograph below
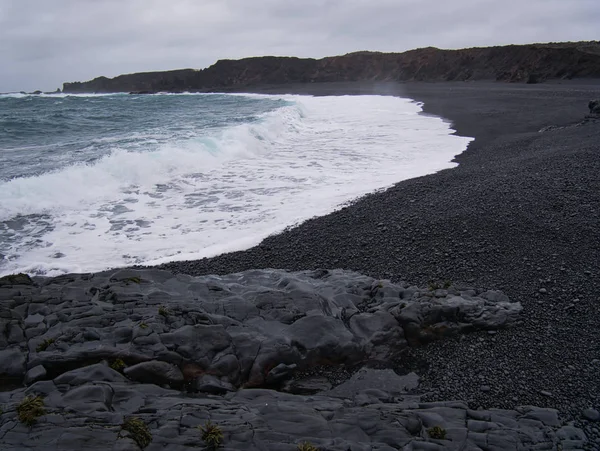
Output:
x=142 y=358
x=521 y=213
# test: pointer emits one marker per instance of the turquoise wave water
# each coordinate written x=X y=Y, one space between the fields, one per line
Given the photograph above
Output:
x=94 y=182
x=44 y=133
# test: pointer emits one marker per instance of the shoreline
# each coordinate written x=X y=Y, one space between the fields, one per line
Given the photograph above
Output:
x=336 y=178
x=520 y=213
x=497 y=258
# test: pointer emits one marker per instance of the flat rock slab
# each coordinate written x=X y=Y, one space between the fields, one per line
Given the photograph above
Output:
x=177 y=351
x=252 y=329
x=371 y=379
x=90 y=415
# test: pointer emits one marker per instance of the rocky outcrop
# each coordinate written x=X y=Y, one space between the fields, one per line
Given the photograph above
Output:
x=251 y=329
x=87 y=409
x=515 y=63
x=135 y=359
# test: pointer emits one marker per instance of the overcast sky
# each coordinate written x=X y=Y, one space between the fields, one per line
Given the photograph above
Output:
x=44 y=43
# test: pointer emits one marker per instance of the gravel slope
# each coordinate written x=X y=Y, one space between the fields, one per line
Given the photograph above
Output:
x=521 y=213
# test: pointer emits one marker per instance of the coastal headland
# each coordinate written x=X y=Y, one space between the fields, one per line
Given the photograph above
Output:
x=533 y=63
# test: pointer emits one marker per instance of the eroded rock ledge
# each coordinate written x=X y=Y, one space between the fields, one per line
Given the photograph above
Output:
x=246 y=330
x=175 y=351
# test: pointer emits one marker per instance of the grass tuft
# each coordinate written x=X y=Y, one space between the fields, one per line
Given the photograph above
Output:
x=433 y=286
x=30 y=409
x=44 y=344
x=118 y=365
x=163 y=311
x=437 y=433
x=133 y=280
x=138 y=430
x=212 y=435
x=306 y=446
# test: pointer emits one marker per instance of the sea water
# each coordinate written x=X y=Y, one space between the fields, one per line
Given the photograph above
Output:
x=90 y=182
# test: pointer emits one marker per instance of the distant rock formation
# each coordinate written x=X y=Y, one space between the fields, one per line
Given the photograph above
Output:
x=533 y=63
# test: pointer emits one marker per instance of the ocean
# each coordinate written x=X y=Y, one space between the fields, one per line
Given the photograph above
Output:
x=91 y=182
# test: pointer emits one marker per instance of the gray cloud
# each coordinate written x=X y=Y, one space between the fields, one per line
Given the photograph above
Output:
x=44 y=43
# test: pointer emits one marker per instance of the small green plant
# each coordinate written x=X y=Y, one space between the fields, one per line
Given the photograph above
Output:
x=138 y=430
x=30 y=409
x=44 y=344
x=306 y=446
x=143 y=326
x=118 y=365
x=437 y=433
x=163 y=311
x=434 y=286
x=212 y=435
x=133 y=280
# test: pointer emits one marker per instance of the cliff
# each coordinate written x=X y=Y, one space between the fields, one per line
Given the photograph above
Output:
x=514 y=63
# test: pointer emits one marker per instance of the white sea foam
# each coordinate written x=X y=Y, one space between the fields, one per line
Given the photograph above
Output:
x=212 y=194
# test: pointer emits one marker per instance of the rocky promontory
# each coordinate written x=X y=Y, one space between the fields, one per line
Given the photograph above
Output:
x=264 y=359
x=532 y=63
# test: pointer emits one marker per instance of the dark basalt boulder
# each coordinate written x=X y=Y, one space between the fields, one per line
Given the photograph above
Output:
x=594 y=107
x=16 y=279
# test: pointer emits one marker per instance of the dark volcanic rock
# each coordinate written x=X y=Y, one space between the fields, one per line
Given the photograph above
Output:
x=251 y=329
x=155 y=372
x=514 y=63
x=358 y=416
x=12 y=362
x=16 y=279
x=594 y=107
x=222 y=334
